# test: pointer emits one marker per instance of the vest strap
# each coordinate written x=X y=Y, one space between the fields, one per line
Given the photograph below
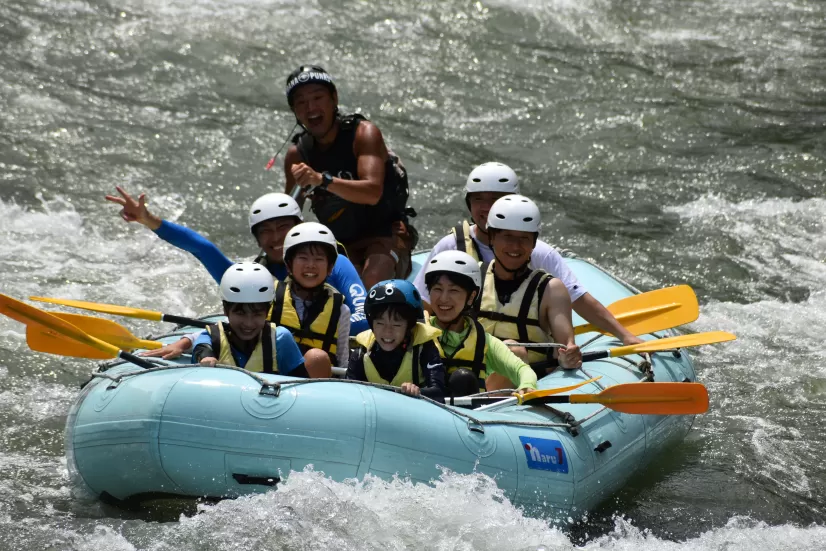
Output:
x=266 y=347
x=278 y=303
x=527 y=299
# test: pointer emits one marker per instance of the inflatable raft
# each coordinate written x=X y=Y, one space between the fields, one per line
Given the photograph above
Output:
x=135 y=434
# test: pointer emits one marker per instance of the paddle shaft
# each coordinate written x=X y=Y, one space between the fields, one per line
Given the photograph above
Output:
x=180 y=320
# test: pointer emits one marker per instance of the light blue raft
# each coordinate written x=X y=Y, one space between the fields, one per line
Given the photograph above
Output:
x=212 y=432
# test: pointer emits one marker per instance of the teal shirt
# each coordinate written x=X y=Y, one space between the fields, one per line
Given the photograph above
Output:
x=498 y=357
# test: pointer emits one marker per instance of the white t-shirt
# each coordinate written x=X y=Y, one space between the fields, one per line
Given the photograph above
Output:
x=544 y=257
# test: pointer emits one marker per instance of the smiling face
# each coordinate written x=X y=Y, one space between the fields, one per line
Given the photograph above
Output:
x=314 y=106
x=448 y=300
x=480 y=204
x=512 y=248
x=390 y=329
x=270 y=236
x=310 y=265
x=246 y=320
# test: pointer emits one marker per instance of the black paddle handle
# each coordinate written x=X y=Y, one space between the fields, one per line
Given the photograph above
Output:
x=586 y=357
x=180 y=320
x=138 y=361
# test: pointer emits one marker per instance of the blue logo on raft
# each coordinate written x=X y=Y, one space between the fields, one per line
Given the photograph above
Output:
x=545 y=455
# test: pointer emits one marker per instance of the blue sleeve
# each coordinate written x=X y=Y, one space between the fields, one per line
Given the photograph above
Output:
x=203 y=338
x=191 y=241
x=346 y=280
x=287 y=355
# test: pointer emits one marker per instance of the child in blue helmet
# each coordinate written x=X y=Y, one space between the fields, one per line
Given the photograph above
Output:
x=398 y=350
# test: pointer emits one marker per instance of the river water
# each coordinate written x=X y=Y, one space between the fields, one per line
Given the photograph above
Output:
x=672 y=142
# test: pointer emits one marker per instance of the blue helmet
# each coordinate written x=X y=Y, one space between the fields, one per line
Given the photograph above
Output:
x=393 y=291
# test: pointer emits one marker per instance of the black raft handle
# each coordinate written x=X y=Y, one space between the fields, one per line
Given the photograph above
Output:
x=256 y=480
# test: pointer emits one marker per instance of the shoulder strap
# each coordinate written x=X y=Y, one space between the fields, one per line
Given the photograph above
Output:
x=416 y=365
x=266 y=347
x=278 y=303
x=215 y=337
x=330 y=336
x=459 y=232
x=527 y=299
x=350 y=121
x=479 y=353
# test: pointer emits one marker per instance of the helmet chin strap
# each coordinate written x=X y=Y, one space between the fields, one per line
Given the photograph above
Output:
x=518 y=270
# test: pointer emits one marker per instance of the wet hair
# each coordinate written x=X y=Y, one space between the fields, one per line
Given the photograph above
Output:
x=246 y=308
x=457 y=279
x=312 y=248
x=397 y=311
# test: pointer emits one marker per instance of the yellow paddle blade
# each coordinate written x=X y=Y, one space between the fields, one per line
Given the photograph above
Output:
x=114 y=309
x=650 y=398
x=45 y=340
x=27 y=315
x=652 y=311
x=108 y=331
x=681 y=341
x=536 y=394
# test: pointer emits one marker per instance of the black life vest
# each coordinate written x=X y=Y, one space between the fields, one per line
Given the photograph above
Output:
x=351 y=221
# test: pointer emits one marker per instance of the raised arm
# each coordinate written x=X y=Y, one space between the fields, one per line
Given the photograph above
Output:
x=184 y=238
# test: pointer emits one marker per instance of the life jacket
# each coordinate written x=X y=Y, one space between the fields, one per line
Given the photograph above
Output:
x=352 y=221
x=518 y=319
x=320 y=326
x=471 y=352
x=410 y=370
x=465 y=241
x=263 y=357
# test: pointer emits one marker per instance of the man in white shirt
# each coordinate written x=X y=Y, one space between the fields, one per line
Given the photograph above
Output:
x=485 y=184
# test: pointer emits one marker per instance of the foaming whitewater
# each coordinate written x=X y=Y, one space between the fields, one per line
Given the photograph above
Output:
x=53 y=249
x=464 y=513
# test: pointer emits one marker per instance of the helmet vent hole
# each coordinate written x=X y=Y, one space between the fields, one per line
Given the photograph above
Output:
x=477 y=180
x=461 y=262
x=528 y=219
x=239 y=269
x=235 y=289
x=263 y=289
x=500 y=216
x=281 y=205
x=257 y=211
x=503 y=180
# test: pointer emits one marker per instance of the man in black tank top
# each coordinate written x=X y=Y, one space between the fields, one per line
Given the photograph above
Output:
x=356 y=186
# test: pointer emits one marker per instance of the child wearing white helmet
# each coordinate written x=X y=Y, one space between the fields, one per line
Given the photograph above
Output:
x=271 y=216
x=247 y=340
x=518 y=302
x=312 y=310
x=471 y=356
x=486 y=184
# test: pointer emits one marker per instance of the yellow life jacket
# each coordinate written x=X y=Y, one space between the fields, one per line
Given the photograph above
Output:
x=316 y=331
x=518 y=319
x=470 y=354
x=464 y=240
x=263 y=357
x=406 y=374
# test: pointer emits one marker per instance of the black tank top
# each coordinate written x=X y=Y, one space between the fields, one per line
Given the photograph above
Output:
x=350 y=221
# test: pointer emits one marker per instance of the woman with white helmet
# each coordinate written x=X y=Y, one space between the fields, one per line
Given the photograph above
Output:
x=471 y=356
x=518 y=302
x=487 y=183
x=246 y=339
x=312 y=310
x=271 y=216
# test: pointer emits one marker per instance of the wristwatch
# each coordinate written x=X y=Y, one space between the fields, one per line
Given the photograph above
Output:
x=326 y=180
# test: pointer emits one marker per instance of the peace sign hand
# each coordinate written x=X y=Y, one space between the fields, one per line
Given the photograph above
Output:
x=135 y=211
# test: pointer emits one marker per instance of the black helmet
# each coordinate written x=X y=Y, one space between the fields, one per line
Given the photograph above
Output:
x=308 y=74
x=394 y=291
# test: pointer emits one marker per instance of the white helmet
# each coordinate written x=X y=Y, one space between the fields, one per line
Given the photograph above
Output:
x=247 y=283
x=493 y=177
x=310 y=232
x=456 y=262
x=273 y=205
x=514 y=212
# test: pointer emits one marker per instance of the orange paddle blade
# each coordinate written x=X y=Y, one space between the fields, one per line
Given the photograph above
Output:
x=125 y=311
x=650 y=398
x=45 y=340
